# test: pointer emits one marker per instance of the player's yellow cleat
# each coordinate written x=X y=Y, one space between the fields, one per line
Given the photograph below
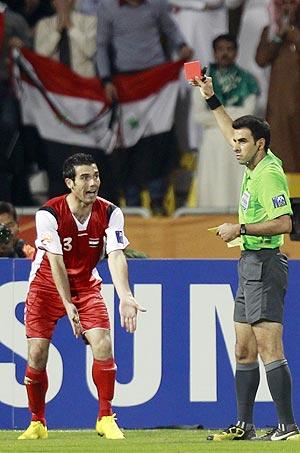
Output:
x=108 y=428
x=36 y=430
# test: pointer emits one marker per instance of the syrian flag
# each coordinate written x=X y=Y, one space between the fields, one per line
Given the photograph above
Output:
x=71 y=109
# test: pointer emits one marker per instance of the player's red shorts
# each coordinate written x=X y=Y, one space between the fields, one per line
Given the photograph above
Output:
x=43 y=310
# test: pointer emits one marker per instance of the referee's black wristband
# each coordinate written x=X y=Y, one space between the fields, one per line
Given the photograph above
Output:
x=213 y=102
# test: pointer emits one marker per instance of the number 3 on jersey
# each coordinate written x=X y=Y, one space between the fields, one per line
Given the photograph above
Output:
x=67 y=244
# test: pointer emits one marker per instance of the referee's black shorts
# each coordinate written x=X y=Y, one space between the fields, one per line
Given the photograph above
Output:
x=263 y=276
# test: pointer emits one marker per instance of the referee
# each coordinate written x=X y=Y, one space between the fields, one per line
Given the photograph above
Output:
x=264 y=217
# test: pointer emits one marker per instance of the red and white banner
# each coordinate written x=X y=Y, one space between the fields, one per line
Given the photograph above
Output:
x=71 y=109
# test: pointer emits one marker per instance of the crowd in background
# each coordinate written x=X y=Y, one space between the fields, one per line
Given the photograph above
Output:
x=254 y=62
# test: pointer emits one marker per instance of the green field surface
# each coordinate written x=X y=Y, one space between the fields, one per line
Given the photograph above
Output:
x=137 y=441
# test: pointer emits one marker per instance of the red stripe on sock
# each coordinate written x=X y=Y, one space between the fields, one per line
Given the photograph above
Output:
x=104 y=376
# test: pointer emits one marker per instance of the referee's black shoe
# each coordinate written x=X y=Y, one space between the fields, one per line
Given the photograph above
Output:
x=282 y=432
x=234 y=432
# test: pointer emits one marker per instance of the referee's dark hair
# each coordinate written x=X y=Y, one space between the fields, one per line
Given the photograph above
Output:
x=259 y=128
x=74 y=161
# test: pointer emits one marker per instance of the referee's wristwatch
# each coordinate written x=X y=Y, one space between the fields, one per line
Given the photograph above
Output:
x=243 y=229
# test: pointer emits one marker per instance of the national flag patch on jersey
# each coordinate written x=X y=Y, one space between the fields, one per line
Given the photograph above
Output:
x=279 y=201
x=120 y=237
x=94 y=242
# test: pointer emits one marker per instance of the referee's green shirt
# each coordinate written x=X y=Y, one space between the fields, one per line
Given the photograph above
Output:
x=264 y=196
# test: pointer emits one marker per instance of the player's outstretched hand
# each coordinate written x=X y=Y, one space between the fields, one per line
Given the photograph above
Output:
x=128 y=313
x=73 y=318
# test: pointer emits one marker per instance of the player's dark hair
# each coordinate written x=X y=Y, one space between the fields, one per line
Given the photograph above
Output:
x=226 y=37
x=74 y=161
x=259 y=128
x=8 y=208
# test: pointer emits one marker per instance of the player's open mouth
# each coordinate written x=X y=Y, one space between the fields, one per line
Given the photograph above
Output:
x=91 y=193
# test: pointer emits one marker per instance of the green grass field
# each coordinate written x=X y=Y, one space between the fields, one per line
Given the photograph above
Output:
x=137 y=441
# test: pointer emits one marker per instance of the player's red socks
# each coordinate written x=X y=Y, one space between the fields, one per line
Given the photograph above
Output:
x=104 y=376
x=36 y=382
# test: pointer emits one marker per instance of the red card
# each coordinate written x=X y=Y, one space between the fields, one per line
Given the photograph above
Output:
x=192 y=69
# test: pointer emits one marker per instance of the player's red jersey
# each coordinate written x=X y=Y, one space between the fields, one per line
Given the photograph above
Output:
x=82 y=245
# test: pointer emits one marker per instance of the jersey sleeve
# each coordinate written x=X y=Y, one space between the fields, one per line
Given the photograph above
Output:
x=273 y=195
x=116 y=239
x=47 y=235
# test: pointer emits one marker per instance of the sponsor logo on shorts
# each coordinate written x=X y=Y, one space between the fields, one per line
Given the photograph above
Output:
x=279 y=201
x=120 y=237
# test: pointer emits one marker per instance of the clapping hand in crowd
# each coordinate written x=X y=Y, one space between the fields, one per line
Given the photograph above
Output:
x=64 y=9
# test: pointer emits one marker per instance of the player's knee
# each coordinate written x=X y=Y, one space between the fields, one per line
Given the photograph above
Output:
x=100 y=343
x=37 y=357
x=270 y=352
x=244 y=354
x=103 y=349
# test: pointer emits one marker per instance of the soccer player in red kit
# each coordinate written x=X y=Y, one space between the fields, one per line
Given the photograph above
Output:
x=73 y=232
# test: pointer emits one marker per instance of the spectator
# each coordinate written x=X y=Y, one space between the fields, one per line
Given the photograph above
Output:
x=255 y=16
x=31 y=10
x=70 y=37
x=14 y=32
x=237 y=89
x=11 y=246
x=200 y=22
x=129 y=40
x=87 y=6
x=279 y=47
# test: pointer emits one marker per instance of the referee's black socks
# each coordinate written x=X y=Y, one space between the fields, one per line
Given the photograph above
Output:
x=246 y=384
x=280 y=385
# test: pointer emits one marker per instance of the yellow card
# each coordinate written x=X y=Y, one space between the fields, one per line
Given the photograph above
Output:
x=213 y=229
x=234 y=243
